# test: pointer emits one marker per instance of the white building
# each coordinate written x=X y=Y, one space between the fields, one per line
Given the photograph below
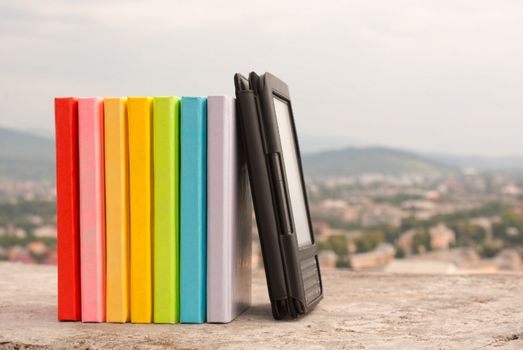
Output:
x=45 y=232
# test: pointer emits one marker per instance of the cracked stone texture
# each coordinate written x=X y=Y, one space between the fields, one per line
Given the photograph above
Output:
x=359 y=311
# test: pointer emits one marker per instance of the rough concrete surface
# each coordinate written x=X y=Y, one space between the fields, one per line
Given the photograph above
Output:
x=360 y=311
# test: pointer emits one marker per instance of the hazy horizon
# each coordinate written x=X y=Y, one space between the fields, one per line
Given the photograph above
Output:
x=426 y=76
x=311 y=144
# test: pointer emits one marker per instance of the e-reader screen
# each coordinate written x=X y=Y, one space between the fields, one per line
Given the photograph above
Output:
x=292 y=169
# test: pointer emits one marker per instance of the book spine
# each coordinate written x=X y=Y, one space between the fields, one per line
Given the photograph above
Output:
x=117 y=209
x=218 y=207
x=67 y=209
x=92 y=208
x=166 y=112
x=228 y=215
x=193 y=209
x=141 y=205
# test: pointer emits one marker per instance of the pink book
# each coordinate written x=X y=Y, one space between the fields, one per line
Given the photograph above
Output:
x=92 y=208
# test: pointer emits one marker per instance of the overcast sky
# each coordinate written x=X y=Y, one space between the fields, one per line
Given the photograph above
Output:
x=443 y=76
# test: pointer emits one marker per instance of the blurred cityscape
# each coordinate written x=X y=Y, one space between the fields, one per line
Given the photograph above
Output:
x=28 y=221
x=374 y=209
x=470 y=222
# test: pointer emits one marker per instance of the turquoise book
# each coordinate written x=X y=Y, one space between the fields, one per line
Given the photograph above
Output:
x=193 y=209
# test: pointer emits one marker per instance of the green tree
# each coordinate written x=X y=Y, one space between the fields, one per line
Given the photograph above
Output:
x=392 y=233
x=339 y=245
x=421 y=241
x=510 y=229
x=369 y=240
x=400 y=253
x=344 y=262
x=468 y=234
x=489 y=250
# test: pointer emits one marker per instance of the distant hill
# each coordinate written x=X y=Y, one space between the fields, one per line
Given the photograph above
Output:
x=505 y=163
x=356 y=161
x=30 y=155
x=26 y=156
x=313 y=144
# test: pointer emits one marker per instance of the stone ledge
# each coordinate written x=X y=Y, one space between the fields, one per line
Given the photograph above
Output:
x=360 y=310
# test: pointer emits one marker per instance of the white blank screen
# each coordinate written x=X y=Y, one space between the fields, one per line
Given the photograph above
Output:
x=292 y=169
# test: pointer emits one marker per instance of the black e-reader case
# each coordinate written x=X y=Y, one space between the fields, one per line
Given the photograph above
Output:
x=292 y=272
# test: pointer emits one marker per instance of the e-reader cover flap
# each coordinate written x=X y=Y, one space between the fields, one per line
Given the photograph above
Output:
x=248 y=110
x=258 y=112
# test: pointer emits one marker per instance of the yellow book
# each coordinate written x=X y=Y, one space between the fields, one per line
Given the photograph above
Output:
x=117 y=209
x=140 y=179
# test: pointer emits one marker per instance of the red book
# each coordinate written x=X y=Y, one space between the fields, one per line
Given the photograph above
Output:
x=67 y=208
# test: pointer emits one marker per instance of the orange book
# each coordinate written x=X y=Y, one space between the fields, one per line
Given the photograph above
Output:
x=117 y=209
x=140 y=203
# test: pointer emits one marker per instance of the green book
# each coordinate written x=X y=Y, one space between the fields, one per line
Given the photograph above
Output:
x=166 y=146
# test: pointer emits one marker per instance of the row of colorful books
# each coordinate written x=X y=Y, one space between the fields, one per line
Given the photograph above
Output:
x=153 y=210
